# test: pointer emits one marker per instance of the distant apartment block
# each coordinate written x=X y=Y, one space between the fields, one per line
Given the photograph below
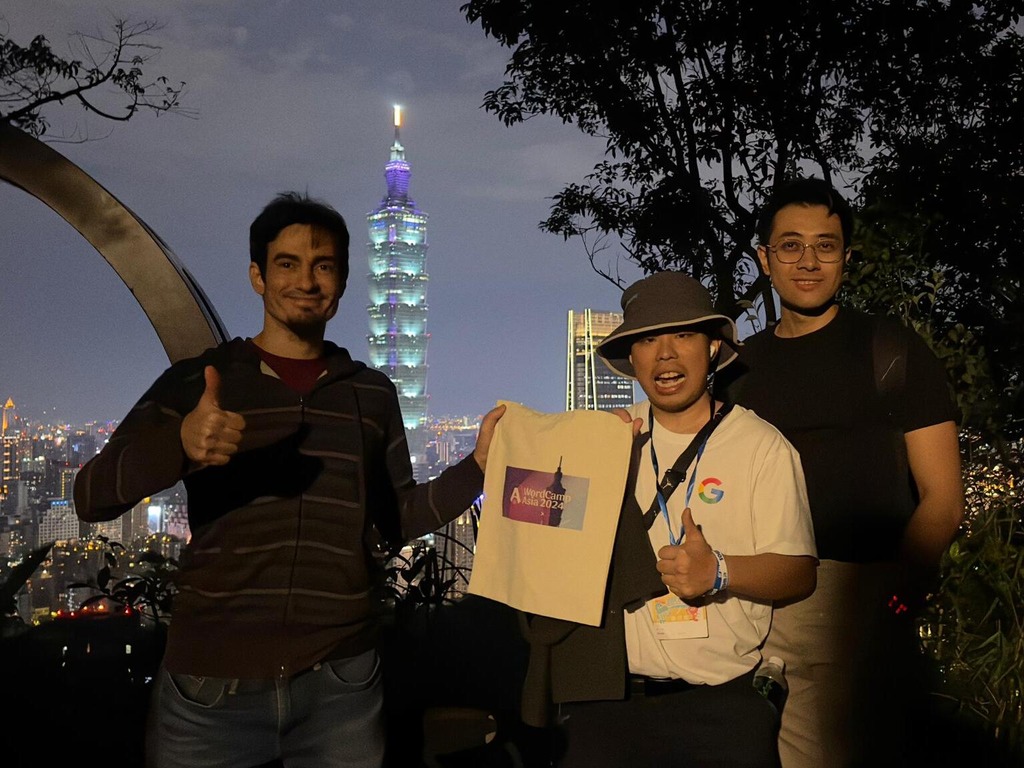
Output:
x=58 y=523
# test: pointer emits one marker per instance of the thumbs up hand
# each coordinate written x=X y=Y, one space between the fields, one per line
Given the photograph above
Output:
x=209 y=434
x=688 y=569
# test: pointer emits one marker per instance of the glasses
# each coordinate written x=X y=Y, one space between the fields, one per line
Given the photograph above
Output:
x=791 y=251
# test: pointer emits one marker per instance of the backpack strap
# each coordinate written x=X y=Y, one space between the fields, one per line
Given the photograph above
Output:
x=889 y=356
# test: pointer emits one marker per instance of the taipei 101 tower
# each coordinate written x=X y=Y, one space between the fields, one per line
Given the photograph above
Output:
x=398 y=296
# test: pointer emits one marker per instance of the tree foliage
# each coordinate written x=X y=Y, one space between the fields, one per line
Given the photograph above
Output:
x=974 y=626
x=914 y=109
x=105 y=75
x=706 y=105
x=893 y=275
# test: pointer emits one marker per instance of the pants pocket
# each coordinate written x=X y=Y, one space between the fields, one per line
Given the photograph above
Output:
x=201 y=691
x=356 y=672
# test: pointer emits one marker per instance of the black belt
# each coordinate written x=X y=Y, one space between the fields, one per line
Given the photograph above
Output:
x=656 y=686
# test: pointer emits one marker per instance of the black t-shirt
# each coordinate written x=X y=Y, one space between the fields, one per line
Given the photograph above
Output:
x=819 y=390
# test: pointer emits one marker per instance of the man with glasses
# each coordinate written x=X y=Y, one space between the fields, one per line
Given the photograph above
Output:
x=882 y=465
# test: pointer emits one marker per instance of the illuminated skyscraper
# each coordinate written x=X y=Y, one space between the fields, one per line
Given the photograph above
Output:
x=398 y=294
x=589 y=383
x=10 y=440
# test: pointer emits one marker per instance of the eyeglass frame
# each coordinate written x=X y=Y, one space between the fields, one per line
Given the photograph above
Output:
x=842 y=252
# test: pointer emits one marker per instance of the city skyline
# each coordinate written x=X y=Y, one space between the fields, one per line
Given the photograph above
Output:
x=302 y=100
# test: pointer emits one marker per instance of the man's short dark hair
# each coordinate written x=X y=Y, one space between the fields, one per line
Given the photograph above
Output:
x=294 y=208
x=801 y=191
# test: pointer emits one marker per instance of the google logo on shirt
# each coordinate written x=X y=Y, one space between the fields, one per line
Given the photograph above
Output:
x=709 y=491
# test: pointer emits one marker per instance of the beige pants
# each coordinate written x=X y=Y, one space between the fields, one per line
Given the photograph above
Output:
x=841 y=646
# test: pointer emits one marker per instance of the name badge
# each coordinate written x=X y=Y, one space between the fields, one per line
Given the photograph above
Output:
x=675 y=620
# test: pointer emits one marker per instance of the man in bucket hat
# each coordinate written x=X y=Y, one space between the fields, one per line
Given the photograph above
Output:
x=732 y=535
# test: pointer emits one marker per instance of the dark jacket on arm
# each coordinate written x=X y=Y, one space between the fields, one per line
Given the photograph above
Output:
x=576 y=662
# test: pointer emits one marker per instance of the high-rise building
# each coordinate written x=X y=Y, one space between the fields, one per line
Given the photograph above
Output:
x=127 y=528
x=451 y=439
x=589 y=383
x=67 y=476
x=176 y=518
x=398 y=294
x=81 y=447
x=9 y=443
x=456 y=547
x=59 y=522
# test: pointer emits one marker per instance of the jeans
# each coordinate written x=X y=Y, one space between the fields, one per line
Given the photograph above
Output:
x=330 y=715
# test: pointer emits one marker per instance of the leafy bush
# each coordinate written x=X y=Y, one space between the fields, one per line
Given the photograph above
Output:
x=147 y=587
x=973 y=627
x=418 y=574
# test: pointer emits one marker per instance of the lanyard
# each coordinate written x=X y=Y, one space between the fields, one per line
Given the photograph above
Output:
x=662 y=505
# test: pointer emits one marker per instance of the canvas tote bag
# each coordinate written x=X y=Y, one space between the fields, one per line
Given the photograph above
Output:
x=552 y=495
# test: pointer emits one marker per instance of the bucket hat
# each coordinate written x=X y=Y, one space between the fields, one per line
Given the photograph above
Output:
x=661 y=301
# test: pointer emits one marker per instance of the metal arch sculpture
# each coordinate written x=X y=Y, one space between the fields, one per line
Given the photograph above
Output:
x=184 y=319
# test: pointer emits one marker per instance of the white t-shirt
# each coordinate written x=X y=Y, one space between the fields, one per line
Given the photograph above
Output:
x=749 y=498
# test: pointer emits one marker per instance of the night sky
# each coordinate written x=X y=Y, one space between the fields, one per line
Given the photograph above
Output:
x=299 y=95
